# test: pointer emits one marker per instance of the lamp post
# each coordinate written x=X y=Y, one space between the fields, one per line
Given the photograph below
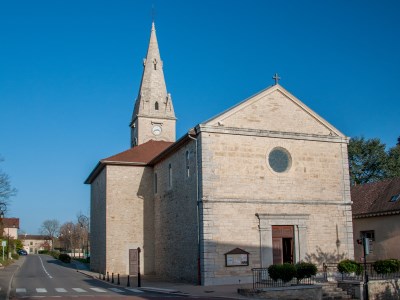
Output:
x=3 y=208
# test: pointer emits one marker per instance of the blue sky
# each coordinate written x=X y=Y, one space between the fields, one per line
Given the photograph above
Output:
x=70 y=72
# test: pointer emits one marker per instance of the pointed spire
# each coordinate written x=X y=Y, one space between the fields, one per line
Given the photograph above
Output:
x=153 y=102
x=153 y=90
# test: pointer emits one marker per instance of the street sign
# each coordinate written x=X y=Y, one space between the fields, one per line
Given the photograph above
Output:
x=4 y=243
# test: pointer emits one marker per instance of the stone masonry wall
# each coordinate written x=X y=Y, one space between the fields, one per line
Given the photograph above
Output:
x=238 y=183
x=145 y=125
x=98 y=223
x=272 y=110
x=176 y=245
x=130 y=210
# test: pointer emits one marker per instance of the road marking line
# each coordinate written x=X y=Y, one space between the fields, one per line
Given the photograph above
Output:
x=20 y=290
x=134 y=290
x=116 y=290
x=45 y=268
x=98 y=290
x=41 y=290
x=79 y=290
x=61 y=290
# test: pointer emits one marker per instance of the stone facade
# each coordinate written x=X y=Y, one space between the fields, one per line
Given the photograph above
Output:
x=121 y=211
x=176 y=226
x=98 y=231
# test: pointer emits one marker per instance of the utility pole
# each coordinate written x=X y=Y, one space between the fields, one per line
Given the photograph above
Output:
x=365 y=242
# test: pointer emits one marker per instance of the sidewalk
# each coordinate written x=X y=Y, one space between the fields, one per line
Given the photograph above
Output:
x=153 y=284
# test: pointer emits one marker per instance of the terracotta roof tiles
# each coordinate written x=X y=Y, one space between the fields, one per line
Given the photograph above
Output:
x=143 y=153
x=10 y=222
x=375 y=198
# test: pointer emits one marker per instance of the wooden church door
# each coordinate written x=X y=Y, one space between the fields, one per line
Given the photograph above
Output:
x=282 y=244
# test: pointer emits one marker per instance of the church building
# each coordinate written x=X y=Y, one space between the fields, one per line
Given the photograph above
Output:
x=264 y=182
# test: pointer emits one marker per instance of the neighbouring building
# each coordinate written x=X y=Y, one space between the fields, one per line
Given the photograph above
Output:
x=264 y=182
x=10 y=227
x=35 y=243
x=376 y=215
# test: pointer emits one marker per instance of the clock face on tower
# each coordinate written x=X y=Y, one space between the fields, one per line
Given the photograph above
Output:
x=156 y=130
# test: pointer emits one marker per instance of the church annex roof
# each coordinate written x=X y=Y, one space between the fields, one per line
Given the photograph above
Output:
x=139 y=155
x=376 y=199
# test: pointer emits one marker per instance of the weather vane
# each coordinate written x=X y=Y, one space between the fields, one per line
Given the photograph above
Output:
x=153 y=12
x=276 y=78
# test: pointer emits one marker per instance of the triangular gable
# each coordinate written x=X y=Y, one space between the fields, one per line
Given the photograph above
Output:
x=274 y=109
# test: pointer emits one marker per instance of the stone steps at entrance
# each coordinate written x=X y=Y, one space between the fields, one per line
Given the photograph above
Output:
x=332 y=292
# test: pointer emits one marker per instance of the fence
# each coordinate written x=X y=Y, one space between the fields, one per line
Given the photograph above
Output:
x=330 y=270
x=261 y=279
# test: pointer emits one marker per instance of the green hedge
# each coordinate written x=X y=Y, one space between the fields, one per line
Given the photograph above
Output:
x=64 y=258
x=349 y=266
x=305 y=270
x=387 y=266
x=284 y=272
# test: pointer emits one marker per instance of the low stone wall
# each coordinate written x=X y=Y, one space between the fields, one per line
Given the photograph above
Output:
x=299 y=292
x=388 y=289
x=353 y=288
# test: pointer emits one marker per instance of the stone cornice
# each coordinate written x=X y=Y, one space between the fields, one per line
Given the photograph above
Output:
x=271 y=134
x=277 y=202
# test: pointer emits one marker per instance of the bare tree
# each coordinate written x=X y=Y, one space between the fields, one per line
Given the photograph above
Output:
x=6 y=191
x=50 y=228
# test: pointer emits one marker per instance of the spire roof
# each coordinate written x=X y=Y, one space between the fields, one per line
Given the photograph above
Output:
x=153 y=90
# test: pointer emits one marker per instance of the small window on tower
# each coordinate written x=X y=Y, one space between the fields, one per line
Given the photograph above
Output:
x=156 y=106
x=155 y=64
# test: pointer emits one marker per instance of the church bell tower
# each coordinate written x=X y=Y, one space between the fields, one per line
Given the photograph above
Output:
x=153 y=116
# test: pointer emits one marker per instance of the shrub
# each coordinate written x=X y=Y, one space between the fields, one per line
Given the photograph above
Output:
x=387 y=266
x=349 y=266
x=285 y=272
x=15 y=256
x=55 y=254
x=44 y=252
x=305 y=270
x=64 y=258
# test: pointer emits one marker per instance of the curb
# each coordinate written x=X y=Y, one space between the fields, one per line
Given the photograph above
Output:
x=147 y=289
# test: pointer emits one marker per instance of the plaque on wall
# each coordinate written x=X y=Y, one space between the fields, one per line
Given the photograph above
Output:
x=236 y=258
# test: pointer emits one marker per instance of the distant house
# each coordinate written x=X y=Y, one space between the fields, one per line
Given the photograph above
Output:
x=10 y=227
x=376 y=215
x=35 y=243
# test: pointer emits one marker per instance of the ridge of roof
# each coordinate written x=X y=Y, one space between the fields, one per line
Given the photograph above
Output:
x=375 y=197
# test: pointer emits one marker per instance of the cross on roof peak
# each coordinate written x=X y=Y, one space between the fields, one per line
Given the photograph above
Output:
x=276 y=78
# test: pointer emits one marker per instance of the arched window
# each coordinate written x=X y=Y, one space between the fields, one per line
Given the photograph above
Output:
x=156 y=105
x=170 y=176
x=187 y=164
x=155 y=183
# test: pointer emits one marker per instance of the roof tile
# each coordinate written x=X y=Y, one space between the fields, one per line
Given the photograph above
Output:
x=375 y=197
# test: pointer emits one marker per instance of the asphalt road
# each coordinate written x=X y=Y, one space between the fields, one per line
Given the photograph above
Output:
x=45 y=277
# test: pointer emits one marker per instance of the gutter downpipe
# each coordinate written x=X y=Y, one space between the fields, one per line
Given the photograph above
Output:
x=197 y=213
x=259 y=230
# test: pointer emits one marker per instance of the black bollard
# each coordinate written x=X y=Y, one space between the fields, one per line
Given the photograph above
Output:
x=99 y=275
x=108 y=277
x=112 y=277
x=104 y=276
x=128 y=283
x=118 y=280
